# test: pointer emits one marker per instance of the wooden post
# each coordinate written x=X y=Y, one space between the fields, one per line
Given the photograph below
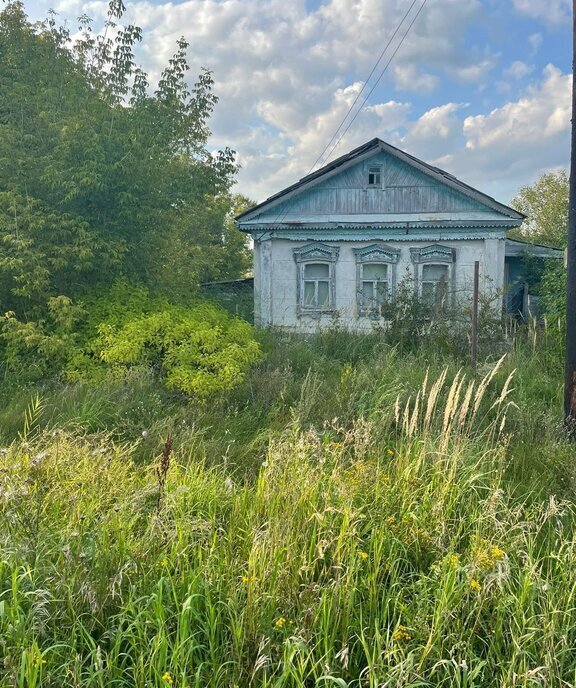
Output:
x=570 y=368
x=475 y=296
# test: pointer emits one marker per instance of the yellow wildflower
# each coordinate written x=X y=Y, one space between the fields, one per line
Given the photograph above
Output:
x=454 y=560
x=475 y=585
x=390 y=452
x=168 y=678
x=497 y=553
x=483 y=559
x=281 y=622
x=401 y=634
x=363 y=555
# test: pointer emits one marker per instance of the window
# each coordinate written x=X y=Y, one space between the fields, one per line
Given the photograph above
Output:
x=316 y=285
x=374 y=286
x=434 y=273
x=375 y=277
x=434 y=284
x=374 y=176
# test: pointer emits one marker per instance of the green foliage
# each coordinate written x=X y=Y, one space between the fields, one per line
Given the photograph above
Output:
x=35 y=349
x=552 y=292
x=545 y=203
x=372 y=550
x=199 y=350
x=99 y=177
x=411 y=324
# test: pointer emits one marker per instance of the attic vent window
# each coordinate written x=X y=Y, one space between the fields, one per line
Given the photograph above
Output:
x=374 y=176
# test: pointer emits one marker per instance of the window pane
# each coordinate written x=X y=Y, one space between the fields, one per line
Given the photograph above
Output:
x=434 y=273
x=429 y=292
x=375 y=271
x=309 y=293
x=367 y=295
x=381 y=292
x=322 y=294
x=316 y=271
x=373 y=175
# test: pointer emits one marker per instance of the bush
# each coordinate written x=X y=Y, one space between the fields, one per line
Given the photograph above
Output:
x=412 y=325
x=552 y=291
x=200 y=350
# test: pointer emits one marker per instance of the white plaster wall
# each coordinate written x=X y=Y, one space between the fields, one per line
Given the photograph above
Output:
x=277 y=276
x=258 y=321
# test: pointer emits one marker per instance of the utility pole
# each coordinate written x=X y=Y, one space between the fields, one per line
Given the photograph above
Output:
x=570 y=371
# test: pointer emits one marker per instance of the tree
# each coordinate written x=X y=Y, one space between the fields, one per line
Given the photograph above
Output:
x=545 y=203
x=100 y=178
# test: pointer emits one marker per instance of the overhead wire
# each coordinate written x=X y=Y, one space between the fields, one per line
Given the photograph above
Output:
x=283 y=213
x=379 y=78
x=364 y=85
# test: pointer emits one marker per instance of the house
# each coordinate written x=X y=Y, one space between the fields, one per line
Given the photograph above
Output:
x=336 y=245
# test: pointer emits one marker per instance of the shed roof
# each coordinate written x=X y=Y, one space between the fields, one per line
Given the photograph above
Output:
x=517 y=248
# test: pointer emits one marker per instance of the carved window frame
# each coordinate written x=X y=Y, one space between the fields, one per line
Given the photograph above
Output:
x=316 y=253
x=369 y=255
x=434 y=254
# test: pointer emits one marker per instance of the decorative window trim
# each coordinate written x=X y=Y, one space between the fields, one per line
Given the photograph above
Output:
x=316 y=253
x=434 y=254
x=375 y=253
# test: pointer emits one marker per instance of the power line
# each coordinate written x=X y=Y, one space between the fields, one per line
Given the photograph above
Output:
x=283 y=213
x=379 y=78
x=365 y=84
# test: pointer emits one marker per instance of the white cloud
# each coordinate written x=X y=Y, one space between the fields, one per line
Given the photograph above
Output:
x=437 y=132
x=410 y=78
x=510 y=145
x=535 y=41
x=518 y=70
x=286 y=75
x=552 y=11
x=542 y=113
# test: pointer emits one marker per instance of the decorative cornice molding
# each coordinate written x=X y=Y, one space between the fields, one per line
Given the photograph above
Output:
x=316 y=251
x=377 y=253
x=435 y=253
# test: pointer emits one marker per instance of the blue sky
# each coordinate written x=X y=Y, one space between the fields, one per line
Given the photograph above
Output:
x=479 y=87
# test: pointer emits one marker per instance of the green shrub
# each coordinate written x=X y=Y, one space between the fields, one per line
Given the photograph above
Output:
x=35 y=349
x=199 y=350
x=552 y=291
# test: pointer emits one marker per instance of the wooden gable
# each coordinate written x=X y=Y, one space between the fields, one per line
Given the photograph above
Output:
x=403 y=190
x=409 y=190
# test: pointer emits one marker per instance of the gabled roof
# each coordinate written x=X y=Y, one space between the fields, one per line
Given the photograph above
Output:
x=365 y=151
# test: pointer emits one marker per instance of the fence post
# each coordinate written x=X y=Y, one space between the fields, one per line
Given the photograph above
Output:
x=475 y=296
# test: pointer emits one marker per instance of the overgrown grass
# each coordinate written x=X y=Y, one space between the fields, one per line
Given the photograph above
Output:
x=334 y=374
x=353 y=515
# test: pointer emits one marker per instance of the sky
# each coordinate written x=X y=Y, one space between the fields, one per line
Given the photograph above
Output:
x=480 y=88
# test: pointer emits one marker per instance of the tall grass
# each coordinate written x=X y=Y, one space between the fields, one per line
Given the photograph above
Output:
x=385 y=548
